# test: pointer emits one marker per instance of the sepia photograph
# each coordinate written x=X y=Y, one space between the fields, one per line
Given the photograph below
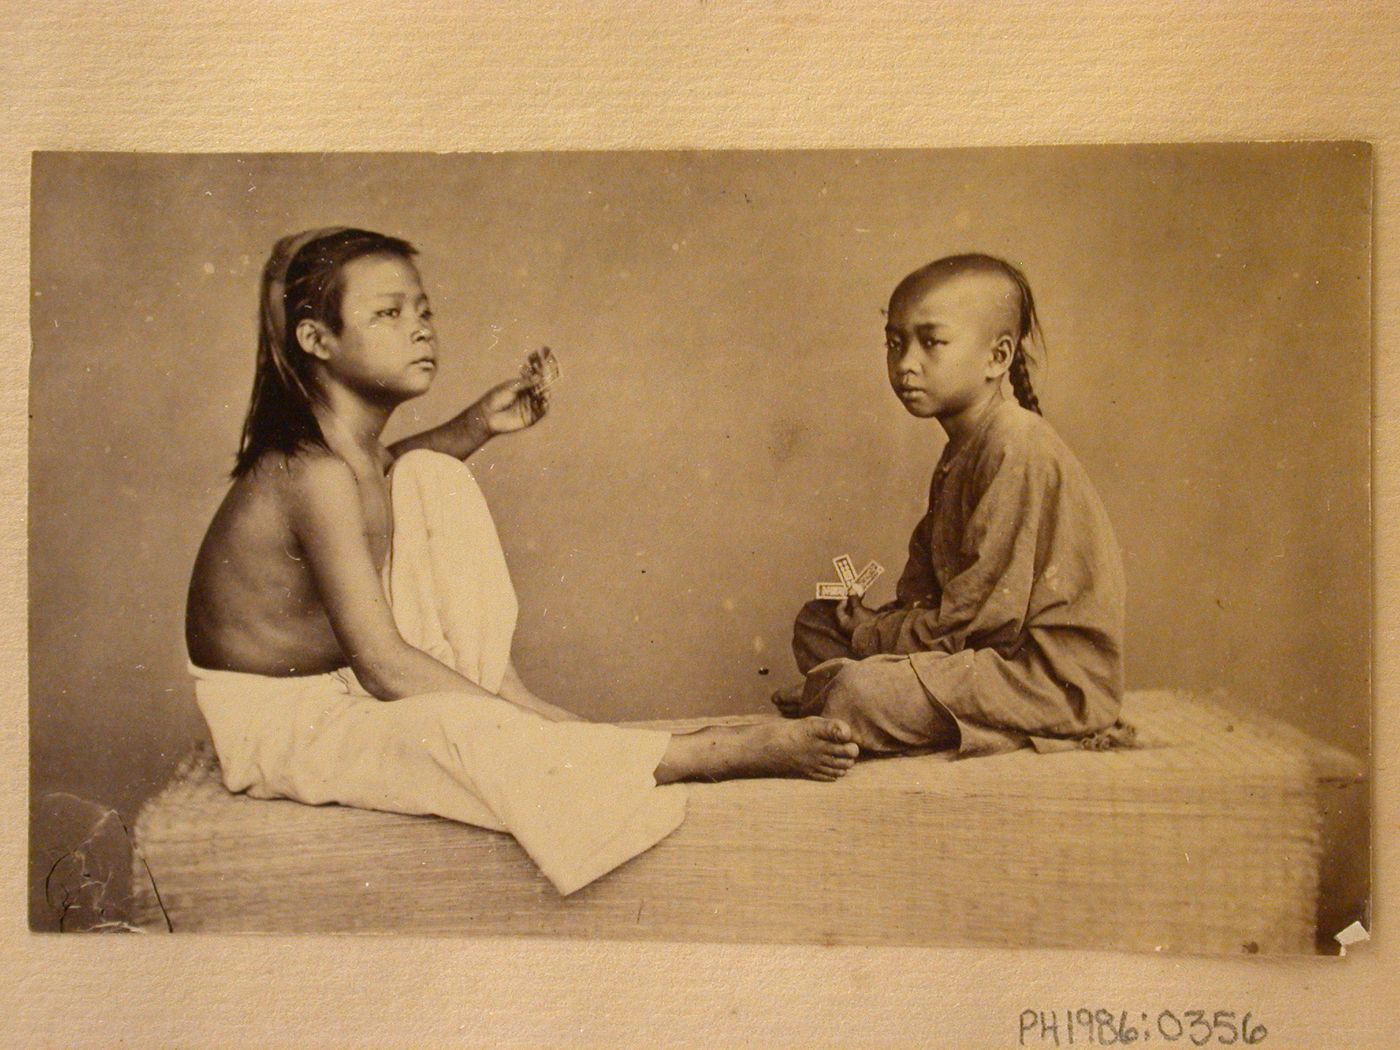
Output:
x=938 y=547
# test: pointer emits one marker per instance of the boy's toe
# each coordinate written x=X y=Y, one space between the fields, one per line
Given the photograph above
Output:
x=835 y=730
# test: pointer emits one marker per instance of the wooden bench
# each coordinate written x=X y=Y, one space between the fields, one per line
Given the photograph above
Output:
x=1207 y=840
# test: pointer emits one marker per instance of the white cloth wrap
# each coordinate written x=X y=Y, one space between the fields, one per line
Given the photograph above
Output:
x=447 y=579
x=579 y=797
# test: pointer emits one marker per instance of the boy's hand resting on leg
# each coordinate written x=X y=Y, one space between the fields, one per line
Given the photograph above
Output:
x=852 y=614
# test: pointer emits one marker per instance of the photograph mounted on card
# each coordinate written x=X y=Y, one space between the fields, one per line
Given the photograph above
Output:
x=411 y=634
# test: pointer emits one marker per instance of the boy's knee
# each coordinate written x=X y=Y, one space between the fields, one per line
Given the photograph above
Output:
x=813 y=618
x=875 y=697
x=422 y=459
x=855 y=690
x=850 y=697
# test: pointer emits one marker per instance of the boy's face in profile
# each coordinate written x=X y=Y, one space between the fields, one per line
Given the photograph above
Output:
x=386 y=344
x=941 y=343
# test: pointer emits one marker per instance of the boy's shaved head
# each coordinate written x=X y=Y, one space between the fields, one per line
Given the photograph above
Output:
x=986 y=278
x=999 y=291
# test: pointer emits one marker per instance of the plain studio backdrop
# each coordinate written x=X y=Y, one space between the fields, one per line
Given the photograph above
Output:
x=724 y=426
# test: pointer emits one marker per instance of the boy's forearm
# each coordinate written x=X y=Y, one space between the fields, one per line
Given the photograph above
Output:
x=412 y=672
x=901 y=631
x=460 y=436
x=530 y=702
x=408 y=671
x=516 y=692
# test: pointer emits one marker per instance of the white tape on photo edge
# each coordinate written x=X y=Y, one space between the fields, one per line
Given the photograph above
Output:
x=1353 y=934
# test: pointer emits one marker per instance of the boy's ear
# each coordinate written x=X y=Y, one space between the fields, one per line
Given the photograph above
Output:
x=1002 y=352
x=311 y=337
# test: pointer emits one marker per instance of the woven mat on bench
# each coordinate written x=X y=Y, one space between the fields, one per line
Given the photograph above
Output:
x=1206 y=842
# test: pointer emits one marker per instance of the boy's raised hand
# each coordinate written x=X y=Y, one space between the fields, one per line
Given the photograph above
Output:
x=511 y=406
x=507 y=407
x=852 y=613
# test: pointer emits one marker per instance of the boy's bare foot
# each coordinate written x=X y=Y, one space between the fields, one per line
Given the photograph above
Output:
x=814 y=748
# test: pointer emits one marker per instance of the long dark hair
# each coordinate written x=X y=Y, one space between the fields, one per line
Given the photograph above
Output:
x=303 y=280
x=1028 y=330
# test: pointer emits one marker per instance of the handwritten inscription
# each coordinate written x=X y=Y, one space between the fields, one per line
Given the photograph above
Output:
x=1101 y=1027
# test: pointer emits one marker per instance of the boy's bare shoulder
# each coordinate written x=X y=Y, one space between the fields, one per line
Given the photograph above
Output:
x=306 y=479
x=317 y=478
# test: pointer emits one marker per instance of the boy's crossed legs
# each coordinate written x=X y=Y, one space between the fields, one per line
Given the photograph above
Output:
x=879 y=697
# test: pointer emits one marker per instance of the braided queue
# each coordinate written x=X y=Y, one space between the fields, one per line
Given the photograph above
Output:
x=1021 y=382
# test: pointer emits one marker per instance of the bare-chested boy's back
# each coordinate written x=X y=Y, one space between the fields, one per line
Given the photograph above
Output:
x=253 y=604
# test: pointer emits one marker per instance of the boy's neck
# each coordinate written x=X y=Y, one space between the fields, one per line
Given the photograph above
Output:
x=350 y=424
x=962 y=425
